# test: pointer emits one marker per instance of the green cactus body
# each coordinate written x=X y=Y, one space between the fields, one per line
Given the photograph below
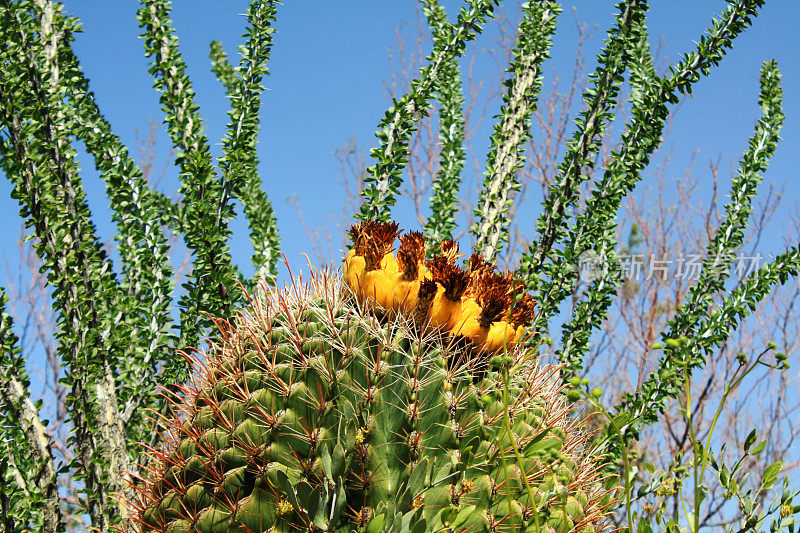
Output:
x=313 y=413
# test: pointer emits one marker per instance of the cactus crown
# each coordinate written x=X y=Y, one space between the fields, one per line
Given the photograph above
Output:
x=319 y=410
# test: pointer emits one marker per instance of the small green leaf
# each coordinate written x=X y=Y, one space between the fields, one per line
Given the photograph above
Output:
x=376 y=524
x=304 y=492
x=724 y=476
x=702 y=493
x=748 y=442
x=733 y=486
x=420 y=527
x=338 y=461
x=771 y=475
x=620 y=421
x=340 y=504
x=287 y=490
x=316 y=507
x=462 y=516
x=442 y=474
x=550 y=444
x=326 y=462
x=448 y=516
x=467 y=455
x=416 y=481
x=759 y=448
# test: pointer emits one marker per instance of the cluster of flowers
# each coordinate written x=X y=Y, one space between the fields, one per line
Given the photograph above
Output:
x=476 y=303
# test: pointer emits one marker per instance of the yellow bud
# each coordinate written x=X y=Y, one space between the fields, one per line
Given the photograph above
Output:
x=441 y=309
x=284 y=507
x=501 y=335
x=360 y=436
x=353 y=269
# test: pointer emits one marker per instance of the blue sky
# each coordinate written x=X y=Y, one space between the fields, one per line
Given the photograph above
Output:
x=327 y=70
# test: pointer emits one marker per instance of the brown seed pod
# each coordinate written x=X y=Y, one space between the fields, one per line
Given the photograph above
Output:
x=449 y=249
x=410 y=255
x=522 y=311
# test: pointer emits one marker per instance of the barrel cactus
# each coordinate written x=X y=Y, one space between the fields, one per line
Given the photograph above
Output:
x=341 y=404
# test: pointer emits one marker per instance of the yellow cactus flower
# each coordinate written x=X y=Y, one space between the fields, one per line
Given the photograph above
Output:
x=500 y=334
x=465 y=312
x=477 y=303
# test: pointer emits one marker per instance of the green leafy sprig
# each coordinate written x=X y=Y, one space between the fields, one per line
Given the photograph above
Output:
x=239 y=162
x=444 y=199
x=28 y=476
x=212 y=287
x=41 y=165
x=595 y=227
x=147 y=275
x=507 y=152
x=399 y=122
x=599 y=99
